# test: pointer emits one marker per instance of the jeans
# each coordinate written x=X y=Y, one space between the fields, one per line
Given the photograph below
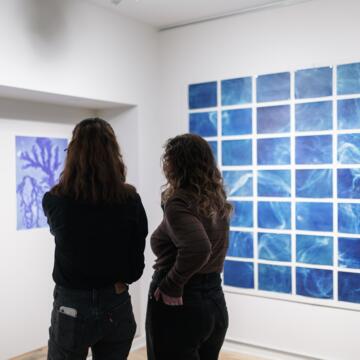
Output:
x=99 y=319
x=194 y=331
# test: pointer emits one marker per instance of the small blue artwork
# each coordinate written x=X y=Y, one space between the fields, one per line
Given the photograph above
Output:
x=241 y=244
x=349 y=218
x=314 y=116
x=314 y=249
x=236 y=91
x=203 y=95
x=349 y=253
x=349 y=114
x=237 y=122
x=238 y=183
x=274 y=247
x=348 y=79
x=313 y=83
x=39 y=162
x=349 y=149
x=274 y=151
x=213 y=146
x=275 y=183
x=275 y=278
x=349 y=287
x=242 y=214
x=237 y=152
x=239 y=274
x=273 y=119
x=348 y=183
x=274 y=215
x=315 y=183
x=204 y=124
x=273 y=87
x=316 y=283
x=314 y=216
x=313 y=149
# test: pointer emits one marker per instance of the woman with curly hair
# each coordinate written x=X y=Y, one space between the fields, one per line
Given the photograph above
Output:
x=187 y=316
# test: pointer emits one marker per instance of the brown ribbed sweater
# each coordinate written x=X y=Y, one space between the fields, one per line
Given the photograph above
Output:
x=186 y=243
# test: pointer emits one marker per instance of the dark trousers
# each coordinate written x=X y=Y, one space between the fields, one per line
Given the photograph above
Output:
x=194 y=331
x=104 y=321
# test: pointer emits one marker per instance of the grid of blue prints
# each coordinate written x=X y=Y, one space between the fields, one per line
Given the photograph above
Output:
x=288 y=146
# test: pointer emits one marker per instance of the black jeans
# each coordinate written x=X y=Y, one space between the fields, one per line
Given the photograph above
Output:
x=104 y=322
x=194 y=331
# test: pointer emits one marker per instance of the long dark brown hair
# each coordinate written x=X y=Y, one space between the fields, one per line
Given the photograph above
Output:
x=94 y=168
x=189 y=164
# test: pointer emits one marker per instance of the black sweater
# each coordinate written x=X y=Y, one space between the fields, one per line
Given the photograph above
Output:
x=96 y=245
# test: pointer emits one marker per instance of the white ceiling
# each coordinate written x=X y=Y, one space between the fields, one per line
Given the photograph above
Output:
x=168 y=13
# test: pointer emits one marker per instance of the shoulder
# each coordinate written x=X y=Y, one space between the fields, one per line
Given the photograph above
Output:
x=180 y=202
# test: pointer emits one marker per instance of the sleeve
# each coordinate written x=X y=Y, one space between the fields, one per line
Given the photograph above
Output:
x=193 y=246
x=46 y=209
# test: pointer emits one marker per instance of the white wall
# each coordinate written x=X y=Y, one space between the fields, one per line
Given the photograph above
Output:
x=321 y=32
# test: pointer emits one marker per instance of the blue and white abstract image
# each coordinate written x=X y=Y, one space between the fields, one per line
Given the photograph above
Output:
x=349 y=183
x=236 y=91
x=349 y=253
x=241 y=244
x=237 y=122
x=275 y=278
x=349 y=218
x=314 y=183
x=242 y=214
x=349 y=287
x=275 y=183
x=348 y=79
x=273 y=87
x=313 y=83
x=274 y=151
x=313 y=149
x=316 y=283
x=204 y=124
x=349 y=114
x=274 y=247
x=274 y=215
x=213 y=146
x=273 y=119
x=39 y=162
x=238 y=182
x=239 y=274
x=314 y=216
x=203 y=95
x=349 y=148
x=314 y=116
x=237 y=152
x=315 y=249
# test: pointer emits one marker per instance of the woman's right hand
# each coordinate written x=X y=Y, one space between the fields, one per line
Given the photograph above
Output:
x=168 y=300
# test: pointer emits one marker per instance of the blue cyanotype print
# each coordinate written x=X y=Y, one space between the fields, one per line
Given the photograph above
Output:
x=349 y=149
x=275 y=278
x=239 y=274
x=39 y=162
x=348 y=114
x=275 y=247
x=315 y=183
x=314 y=116
x=316 y=283
x=273 y=119
x=203 y=95
x=242 y=214
x=238 y=182
x=348 y=183
x=237 y=152
x=314 y=249
x=348 y=79
x=314 y=216
x=204 y=124
x=236 y=91
x=274 y=215
x=276 y=183
x=273 y=87
x=213 y=146
x=237 y=122
x=349 y=253
x=313 y=149
x=313 y=83
x=349 y=287
x=349 y=218
x=241 y=244
x=274 y=151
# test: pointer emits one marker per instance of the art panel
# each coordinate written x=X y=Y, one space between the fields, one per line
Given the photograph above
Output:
x=275 y=278
x=314 y=116
x=273 y=119
x=274 y=215
x=349 y=218
x=242 y=214
x=348 y=114
x=236 y=91
x=349 y=149
x=274 y=247
x=314 y=183
x=274 y=183
x=349 y=287
x=315 y=249
x=316 y=283
x=312 y=216
x=241 y=244
x=348 y=79
x=237 y=122
x=238 y=182
x=273 y=151
x=273 y=87
x=203 y=95
x=239 y=274
x=313 y=149
x=348 y=181
x=237 y=152
x=349 y=253
x=204 y=124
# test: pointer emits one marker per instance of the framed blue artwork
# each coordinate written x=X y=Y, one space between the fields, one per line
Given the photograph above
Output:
x=237 y=152
x=349 y=149
x=348 y=79
x=273 y=87
x=214 y=149
x=315 y=249
x=313 y=149
x=203 y=95
x=349 y=287
x=236 y=91
x=274 y=247
x=274 y=215
x=273 y=151
x=241 y=244
x=204 y=123
x=239 y=274
x=314 y=216
x=237 y=122
x=348 y=181
x=349 y=253
x=275 y=278
x=314 y=183
x=274 y=183
x=39 y=162
x=316 y=283
x=273 y=119
x=238 y=182
x=242 y=214
x=314 y=116
x=349 y=218
x=348 y=114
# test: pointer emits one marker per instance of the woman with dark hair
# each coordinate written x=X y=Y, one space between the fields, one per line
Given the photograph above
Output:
x=187 y=316
x=100 y=227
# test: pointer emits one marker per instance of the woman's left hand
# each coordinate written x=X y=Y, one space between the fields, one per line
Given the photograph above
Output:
x=168 y=300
